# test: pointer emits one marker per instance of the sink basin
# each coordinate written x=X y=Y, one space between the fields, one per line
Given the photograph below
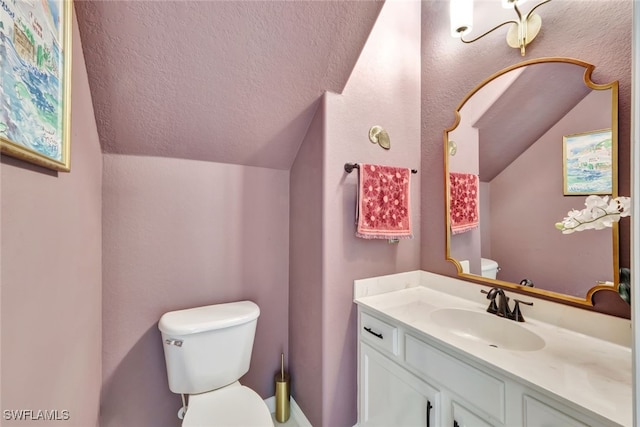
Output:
x=487 y=329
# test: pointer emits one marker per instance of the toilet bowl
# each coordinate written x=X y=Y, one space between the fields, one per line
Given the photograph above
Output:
x=207 y=349
x=232 y=406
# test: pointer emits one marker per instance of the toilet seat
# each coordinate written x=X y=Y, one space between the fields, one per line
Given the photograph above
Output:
x=234 y=405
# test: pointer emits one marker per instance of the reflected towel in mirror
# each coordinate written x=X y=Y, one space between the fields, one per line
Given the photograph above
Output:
x=463 y=199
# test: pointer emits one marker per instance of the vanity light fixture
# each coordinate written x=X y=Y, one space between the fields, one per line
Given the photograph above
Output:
x=377 y=135
x=520 y=34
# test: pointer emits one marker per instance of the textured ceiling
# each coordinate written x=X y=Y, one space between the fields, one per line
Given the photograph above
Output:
x=224 y=81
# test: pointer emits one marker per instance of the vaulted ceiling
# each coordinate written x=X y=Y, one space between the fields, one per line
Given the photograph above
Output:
x=540 y=96
x=224 y=81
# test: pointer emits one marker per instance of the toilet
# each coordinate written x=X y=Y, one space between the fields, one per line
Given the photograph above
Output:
x=489 y=268
x=206 y=350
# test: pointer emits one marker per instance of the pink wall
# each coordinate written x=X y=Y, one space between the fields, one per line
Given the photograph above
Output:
x=384 y=89
x=52 y=274
x=450 y=69
x=305 y=271
x=179 y=234
x=527 y=200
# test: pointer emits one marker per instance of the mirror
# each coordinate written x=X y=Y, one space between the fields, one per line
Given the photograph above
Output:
x=504 y=160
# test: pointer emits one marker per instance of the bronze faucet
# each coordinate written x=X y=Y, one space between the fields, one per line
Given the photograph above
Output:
x=502 y=307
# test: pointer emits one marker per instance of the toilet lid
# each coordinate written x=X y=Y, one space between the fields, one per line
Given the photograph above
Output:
x=231 y=406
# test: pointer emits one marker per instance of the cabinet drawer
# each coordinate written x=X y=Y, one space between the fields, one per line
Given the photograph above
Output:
x=379 y=333
x=486 y=392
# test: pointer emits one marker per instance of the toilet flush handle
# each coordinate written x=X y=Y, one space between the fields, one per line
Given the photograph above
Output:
x=171 y=341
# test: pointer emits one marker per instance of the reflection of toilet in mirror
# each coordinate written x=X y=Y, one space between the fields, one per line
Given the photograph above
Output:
x=465 y=265
x=489 y=267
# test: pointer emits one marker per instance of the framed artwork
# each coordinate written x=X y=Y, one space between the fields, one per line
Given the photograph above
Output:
x=587 y=163
x=35 y=76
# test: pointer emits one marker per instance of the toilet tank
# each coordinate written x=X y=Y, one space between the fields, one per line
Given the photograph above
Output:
x=489 y=268
x=208 y=347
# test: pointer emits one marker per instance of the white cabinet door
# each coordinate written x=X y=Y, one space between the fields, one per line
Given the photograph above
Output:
x=539 y=414
x=484 y=391
x=391 y=396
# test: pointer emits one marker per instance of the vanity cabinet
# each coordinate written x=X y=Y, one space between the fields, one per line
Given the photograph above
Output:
x=388 y=394
x=391 y=396
x=473 y=393
x=407 y=379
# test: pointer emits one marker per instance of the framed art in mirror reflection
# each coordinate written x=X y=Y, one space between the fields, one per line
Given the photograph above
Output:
x=587 y=163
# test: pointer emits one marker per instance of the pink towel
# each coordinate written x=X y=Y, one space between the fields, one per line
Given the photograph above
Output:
x=383 y=202
x=463 y=199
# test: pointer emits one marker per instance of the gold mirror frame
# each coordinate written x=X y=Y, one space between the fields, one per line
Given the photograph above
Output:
x=559 y=297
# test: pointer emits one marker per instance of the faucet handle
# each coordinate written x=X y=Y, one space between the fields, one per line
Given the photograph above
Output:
x=516 y=314
x=491 y=295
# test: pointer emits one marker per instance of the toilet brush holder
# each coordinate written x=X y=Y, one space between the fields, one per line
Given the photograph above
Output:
x=283 y=390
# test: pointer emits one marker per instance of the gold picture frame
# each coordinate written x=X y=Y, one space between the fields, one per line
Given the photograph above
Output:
x=35 y=110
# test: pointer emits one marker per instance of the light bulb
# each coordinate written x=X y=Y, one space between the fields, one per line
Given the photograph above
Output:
x=461 y=15
x=508 y=4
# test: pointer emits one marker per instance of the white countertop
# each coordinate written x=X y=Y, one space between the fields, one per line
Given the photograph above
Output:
x=578 y=369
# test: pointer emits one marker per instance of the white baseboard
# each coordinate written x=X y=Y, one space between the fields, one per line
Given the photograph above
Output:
x=295 y=411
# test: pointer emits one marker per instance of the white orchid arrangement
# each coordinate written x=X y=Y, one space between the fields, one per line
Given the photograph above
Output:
x=599 y=213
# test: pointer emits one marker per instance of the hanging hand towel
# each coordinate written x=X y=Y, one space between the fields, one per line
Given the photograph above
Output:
x=463 y=196
x=383 y=202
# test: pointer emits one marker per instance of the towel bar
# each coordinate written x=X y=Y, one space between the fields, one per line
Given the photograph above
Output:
x=348 y=167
